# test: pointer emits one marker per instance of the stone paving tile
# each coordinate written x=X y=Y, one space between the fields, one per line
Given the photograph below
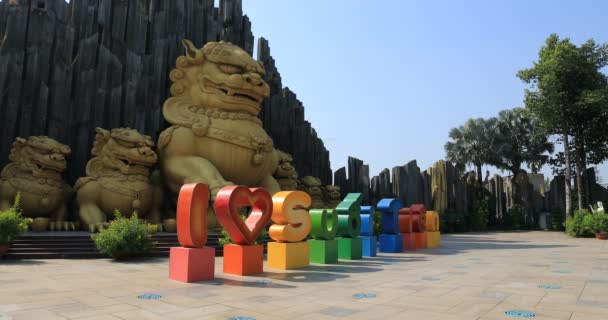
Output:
x=472 y=276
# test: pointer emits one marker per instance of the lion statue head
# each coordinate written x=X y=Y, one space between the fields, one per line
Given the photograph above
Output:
x=285 y=169
x=219 y=77
x=39 y=156
x=332 y=193
x=312 y=186
x=122 y=150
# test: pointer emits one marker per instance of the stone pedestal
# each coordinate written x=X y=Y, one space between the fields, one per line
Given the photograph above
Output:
x=191 y=264
x=420 y=240
x=433 y=239
x=350 y=248
x=391 y=243
x=287 y=256
x=243 y=260
x=409 y=241
x=323 y=251
x=370 y=248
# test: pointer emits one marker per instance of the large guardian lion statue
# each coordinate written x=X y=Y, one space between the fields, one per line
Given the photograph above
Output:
x=118 y=178
x=216 y=137
x=35 y=172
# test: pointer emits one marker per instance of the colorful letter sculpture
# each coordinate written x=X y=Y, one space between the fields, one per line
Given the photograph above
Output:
x=370 y=249
x=350 y=246
x=323 y=246
x=406 y=228
x=433 y=237
x=192 y=262
x=390 y=239
x=412 y=223
x=290 y=213
x=243 y=257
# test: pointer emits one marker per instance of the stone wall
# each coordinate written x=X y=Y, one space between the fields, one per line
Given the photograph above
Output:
x=66 y=68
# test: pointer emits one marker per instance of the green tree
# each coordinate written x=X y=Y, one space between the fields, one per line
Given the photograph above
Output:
x=518 y=142
x=566 y=90
x=472 y=143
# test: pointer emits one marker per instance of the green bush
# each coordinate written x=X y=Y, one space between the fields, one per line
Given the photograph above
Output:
x=12 y=224
x=452 y=221
x=580 y=224
x=125 y=237
x=587 y=224
x=557 y=222
x=378 y=222
x=600 y=222
x=515 y=217
x=478 y=219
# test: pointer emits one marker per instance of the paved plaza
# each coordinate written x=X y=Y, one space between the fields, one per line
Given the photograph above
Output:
x=472 y=276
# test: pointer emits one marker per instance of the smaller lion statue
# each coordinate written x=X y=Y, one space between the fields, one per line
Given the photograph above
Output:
x=286 y=174
x=332 y=196
x=35 y=172
x=118 y=178
x=312 y=186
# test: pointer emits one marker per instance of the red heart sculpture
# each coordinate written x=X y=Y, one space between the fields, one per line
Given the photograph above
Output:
x=227 y=203
x=192 y=215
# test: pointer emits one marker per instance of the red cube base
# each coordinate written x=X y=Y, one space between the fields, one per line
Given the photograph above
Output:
x=192 y=264
x=409 y=241
x=420 y=238
x=243 y=260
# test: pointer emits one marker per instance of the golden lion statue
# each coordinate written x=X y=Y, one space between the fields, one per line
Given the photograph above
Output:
x=286 y=173
x=331 y=196
x=216 y=137
x=35 y=172
x=118 y=178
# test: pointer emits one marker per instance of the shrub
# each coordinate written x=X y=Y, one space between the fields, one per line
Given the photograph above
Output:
x=580 y=224
x=514 y=218
x=478 y=219
x=378 y=222
x=124 y=238
x=12 y=224
x=601 y=222
x=593 y=222
x=452 y=221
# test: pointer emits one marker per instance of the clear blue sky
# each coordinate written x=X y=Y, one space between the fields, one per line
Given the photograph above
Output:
x=384 y=81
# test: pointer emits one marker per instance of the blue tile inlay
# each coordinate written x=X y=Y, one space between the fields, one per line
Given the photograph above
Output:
x=364 y=295
x=549 y=287
x=149 y=296
x=431 y=279
x=520 y=314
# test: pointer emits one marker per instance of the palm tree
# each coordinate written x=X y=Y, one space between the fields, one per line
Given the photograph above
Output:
x=472 y=143
x=518 y=142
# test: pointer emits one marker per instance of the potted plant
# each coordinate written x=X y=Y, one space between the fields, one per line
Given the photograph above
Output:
x=600 y=225
x=12 y=224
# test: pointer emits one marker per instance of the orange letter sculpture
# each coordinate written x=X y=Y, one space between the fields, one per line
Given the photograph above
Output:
x=192 y=262
x=290 y=212
x=243 y=257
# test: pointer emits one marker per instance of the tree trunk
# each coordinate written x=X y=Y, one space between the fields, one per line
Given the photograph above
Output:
x=479 y=178
x=567 y=172
x=580 y=171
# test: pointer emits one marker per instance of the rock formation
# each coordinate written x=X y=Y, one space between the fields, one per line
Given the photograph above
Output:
x=68 y=67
